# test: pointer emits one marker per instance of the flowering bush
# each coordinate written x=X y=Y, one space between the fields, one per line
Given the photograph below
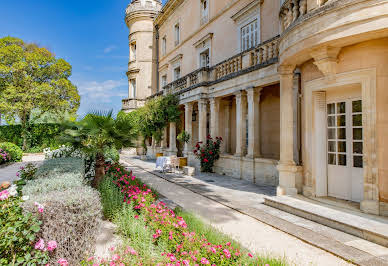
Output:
x=4 y=156
x=144 y=219
x=14 y=152
x=207 y=153
x=18 y=233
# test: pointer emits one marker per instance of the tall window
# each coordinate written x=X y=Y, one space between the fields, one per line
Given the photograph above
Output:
x=164 y=80
x=177 y=34
x=205 y=59
x=132 y=51
x=132 y=84
x=204 y=11
x=177 y=73
x=249 y=36
x=164 y=45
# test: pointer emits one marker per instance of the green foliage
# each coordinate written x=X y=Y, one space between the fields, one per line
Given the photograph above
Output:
x=111 y=197
x=18 y=232
x=25 y=174
x=31 y=79
x=184 y=137
x=208 y=153
x=39 y=136
x=13 y=150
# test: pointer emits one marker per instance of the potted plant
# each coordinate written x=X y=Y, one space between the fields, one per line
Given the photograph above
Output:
x=184 y=137
x=208 y=153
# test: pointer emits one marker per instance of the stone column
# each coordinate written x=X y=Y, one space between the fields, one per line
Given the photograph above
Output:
x=253 y=96
x=202 y=113
x=173 y=150
x=240 y=124
x=287 y=167
x=226 y=131
x=189 y=126
x=164 y=139
x=214 y=117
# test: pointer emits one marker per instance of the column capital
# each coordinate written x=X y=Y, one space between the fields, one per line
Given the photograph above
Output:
x=189 y=105
x=286 y=69
x=202 y=101
x=252 y=90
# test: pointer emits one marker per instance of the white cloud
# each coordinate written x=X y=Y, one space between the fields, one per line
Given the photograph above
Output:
x=109 y=49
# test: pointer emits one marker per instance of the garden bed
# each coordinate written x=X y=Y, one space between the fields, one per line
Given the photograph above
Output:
x=153 y=234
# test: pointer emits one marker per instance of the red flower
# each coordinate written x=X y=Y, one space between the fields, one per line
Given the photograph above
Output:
x=206 y=160
x=210 y=152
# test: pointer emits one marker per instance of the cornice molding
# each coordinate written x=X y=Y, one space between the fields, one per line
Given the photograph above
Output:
x=242 y=12
x=203 y=39
x=176 y=58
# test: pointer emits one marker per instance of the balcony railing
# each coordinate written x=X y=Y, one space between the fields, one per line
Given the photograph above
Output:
x=258 y=57
x=292 y=10
x=130 y=104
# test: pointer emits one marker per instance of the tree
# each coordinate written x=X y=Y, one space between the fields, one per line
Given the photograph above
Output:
x=96 y=133
x=31 y=79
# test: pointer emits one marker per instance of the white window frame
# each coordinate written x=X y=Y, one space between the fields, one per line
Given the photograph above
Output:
x=132 y=84
x=177 y=33
x=163 y=80
x=204 y=12
x=132 y=51
x=164 y=45
x=249 y=35
x=201 y=59
x=174 y=72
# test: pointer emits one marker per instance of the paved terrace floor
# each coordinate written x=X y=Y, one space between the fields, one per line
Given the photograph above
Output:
x=222 y=202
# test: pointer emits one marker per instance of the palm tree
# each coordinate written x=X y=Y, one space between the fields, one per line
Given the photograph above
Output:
x=97 y=132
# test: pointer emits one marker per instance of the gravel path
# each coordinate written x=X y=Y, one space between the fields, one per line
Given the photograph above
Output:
x=256 y=236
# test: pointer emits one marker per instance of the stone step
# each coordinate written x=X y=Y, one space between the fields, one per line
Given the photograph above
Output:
x=362 y=227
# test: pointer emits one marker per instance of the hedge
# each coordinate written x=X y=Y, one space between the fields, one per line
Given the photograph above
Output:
x=13 y=150
x=39 y=135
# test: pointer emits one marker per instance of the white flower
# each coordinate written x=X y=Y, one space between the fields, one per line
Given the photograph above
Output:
x=12 y=190
x=25 y=198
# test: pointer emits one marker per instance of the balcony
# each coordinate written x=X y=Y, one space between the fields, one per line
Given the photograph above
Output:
x=261 y=56
x=132 y=104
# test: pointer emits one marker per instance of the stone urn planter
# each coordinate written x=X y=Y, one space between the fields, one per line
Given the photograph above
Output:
x=182 y=161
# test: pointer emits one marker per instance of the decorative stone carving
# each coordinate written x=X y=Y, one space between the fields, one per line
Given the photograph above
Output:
x=326 y=59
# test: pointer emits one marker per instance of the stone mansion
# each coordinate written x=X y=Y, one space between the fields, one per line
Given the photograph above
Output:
x=297 y=89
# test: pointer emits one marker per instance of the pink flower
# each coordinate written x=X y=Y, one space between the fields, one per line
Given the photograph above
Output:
x=115 y=257
x=51 y=245
x=227 y=253
x=204 y=261
x=172 y=258
x=158 y=231
x=90 y=259
x=40 y=244
x=250 y=255
x=40 y=207
x=4 y=194
x=185 y=262
x=62 y=262
x=136 y=216
x=212 y=249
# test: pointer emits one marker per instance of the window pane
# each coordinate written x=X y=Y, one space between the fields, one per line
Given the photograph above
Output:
x=341 y=146
x=331 y=109
x=332 y=147
x=331 y=121
x=341 y=133
x=357 y=106
x=341 y=108
x=342 y=159
x=357 y=133
x=358 y=162
x=331 y=159
x=357 y=147
x=331 y=133
x=341 y=120
x=357 y=120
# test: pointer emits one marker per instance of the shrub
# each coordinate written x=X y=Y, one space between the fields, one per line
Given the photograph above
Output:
x=25 y=173
x=4 y=157
x=39 y=136
x=208 y=153
x=46 y=185
x=57 y=167
x=72 y=218
x=18 y=232
x=13 y=150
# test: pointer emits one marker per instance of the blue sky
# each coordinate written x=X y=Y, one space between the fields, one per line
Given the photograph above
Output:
x=90 y=35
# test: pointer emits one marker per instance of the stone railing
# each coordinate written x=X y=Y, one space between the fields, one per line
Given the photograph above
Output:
x=135 y=6
x=292 y=10
x=130 y=104
x=258 y=57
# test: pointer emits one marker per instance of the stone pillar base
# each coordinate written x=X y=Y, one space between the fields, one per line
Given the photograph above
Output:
x=290 y=179
x=370 y=207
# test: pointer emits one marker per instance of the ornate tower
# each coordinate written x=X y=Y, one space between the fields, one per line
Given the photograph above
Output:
x=139 y=17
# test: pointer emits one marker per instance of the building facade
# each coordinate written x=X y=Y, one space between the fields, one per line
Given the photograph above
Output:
x=296 y=88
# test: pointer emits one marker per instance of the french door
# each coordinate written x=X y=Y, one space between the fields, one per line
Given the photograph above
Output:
x=345 y=149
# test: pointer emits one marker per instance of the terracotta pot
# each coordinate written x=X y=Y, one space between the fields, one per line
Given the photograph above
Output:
x=5 y=185
x=159 y=154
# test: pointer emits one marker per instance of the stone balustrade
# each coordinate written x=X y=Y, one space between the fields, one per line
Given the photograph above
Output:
x=262 y=55
x=137 y=5
x=131 y=104
x=292 y=10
